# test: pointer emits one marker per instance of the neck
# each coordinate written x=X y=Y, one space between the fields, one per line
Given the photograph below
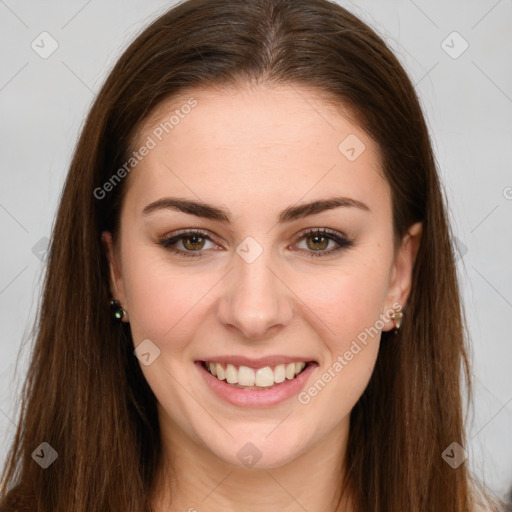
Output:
x=191 y=478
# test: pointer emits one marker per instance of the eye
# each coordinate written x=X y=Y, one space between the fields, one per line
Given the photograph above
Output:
x=318 y=239
x=192 y=241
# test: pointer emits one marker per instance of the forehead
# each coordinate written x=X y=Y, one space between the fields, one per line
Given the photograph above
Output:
x=247 y=146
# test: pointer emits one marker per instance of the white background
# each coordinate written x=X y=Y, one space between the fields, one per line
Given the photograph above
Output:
x=467 y=100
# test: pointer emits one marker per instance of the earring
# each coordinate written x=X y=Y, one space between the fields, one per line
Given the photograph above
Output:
x=397 y=317
x=117 y=310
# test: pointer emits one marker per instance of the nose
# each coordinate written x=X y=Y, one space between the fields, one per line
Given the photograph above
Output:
x=256 y=300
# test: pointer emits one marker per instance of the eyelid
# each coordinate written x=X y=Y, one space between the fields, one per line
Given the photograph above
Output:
x=167 y=240
x=190 y=231
x=342 y=241
x=327 y=231
x=338 y=237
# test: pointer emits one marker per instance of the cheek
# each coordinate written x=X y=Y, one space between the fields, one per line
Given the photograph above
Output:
x=348 y=319
x=346 y=300
x=346 y=311
x=164 y=301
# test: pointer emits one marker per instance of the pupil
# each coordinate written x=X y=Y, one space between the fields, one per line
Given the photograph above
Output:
x=316 y=241
x=194 y=241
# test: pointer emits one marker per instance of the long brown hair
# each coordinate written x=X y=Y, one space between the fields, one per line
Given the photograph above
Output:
x=85 y=394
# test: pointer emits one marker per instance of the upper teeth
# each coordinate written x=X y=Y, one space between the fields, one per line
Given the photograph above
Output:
x=263 y=377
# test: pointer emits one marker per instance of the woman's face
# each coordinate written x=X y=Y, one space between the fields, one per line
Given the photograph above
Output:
x=253 y=288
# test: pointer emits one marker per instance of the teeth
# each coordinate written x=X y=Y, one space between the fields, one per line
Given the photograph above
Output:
x=279 y=373
x=290 y=371
x=231 y=374
x=262 y=377
x=220 y=372
x=246 y=376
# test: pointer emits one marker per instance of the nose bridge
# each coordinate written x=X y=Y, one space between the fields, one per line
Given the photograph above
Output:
x=254 y=298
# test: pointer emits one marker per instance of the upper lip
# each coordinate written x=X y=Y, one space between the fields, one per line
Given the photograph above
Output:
x=259 y=362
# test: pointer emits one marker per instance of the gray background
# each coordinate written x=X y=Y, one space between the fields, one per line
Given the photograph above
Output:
x=467 y=97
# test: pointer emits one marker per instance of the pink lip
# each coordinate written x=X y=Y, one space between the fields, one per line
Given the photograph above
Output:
x=256 y=398
x=256 y=362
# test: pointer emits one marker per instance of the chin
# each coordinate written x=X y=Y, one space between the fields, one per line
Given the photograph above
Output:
x=261 y=450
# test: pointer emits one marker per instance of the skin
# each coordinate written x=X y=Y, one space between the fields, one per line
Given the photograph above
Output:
x=256 y=152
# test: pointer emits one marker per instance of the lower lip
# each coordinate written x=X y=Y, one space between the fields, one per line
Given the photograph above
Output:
x=256 y=398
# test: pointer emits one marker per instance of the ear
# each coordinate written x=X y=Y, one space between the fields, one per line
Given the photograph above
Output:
x=116 y=277
x=400 y=284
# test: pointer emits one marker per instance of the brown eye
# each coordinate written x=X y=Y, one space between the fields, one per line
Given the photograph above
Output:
x=187 y=243
x=193 y=242
x=318 y=240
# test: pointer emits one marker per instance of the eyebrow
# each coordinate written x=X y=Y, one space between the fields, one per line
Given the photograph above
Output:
x=208 y=211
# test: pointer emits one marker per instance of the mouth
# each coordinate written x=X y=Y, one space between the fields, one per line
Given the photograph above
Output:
x=264 y=378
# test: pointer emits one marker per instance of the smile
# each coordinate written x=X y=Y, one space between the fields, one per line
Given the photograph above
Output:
x=244 y=377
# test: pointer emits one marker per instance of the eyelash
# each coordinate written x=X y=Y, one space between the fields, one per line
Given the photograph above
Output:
x=341 y=240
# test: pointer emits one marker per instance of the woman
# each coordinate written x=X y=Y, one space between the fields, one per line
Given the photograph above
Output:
x=301 y=356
